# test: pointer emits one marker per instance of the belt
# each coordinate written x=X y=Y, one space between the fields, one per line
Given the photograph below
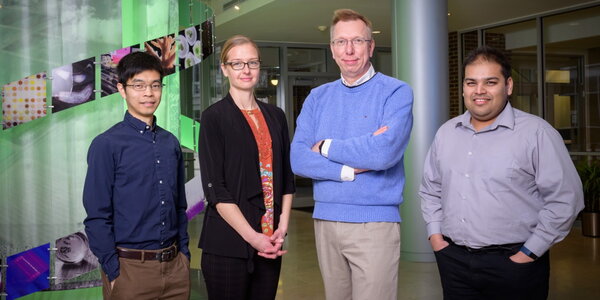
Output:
x=488 y=249
x=162 y=255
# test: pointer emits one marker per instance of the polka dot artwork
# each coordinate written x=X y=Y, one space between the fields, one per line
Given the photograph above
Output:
x=24 y=100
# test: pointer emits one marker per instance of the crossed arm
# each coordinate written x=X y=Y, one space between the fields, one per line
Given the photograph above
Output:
x=379 y=150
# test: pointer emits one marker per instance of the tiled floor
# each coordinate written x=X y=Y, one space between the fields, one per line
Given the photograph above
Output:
x=575 y=267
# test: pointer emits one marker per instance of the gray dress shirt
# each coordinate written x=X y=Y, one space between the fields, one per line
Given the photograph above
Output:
x=511 y=182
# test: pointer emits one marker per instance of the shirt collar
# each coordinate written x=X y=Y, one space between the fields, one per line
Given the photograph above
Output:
x=138 y=124
x=370 y=73
x=506 y=118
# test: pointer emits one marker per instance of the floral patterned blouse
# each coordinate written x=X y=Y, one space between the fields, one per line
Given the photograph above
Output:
x=257 y=122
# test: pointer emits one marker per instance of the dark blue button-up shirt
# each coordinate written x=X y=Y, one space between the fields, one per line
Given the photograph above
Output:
x=134 y=192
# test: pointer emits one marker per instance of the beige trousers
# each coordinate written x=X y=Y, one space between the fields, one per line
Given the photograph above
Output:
x=358 y=261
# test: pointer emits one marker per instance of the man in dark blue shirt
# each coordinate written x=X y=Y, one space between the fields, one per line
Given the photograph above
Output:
x=134 y=195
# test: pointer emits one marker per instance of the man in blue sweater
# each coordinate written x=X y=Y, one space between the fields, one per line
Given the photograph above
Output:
x=350 y=139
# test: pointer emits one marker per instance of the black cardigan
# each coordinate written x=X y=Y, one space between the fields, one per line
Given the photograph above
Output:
x=230 y=173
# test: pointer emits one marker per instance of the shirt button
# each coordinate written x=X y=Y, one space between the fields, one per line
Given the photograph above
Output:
x=147 y=127
x=467 y=175
x=163 y=223
x=462 y=220
x=141 y=131
x=158 y=161
x=210 y=185
x=162 y=243
x=162 y=202
x=160 y=181
x=470 y=153
x=153 y=142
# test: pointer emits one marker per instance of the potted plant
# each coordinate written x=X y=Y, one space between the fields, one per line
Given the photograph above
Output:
x=590 y=217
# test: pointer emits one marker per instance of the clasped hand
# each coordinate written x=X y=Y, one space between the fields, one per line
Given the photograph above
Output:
x=269 y=246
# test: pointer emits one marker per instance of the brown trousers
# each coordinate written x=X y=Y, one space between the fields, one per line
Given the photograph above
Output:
x=150 y=279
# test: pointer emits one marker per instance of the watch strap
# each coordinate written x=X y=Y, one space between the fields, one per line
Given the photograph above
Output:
x=528 y=252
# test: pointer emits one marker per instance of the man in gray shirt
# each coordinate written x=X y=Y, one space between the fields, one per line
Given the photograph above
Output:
x=498 y=190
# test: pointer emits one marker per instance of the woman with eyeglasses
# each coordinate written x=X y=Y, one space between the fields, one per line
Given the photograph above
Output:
x=248 y=182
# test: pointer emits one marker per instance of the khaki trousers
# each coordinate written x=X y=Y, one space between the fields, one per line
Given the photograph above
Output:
x=358 y=261
x=150 y=279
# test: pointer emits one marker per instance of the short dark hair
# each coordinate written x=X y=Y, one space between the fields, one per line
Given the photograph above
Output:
x=490 y=54
x=138 y=62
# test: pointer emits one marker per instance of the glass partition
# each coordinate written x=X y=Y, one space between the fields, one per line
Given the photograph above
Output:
x=520 y=46
x=43 y=162
x=307 y=59
x=270 y=75
x=572 y=76
x=469 y=42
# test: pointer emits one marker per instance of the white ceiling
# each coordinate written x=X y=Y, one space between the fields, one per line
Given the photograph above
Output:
x=297 y=20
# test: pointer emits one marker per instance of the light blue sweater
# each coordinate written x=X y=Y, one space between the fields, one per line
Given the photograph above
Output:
x=349 y=116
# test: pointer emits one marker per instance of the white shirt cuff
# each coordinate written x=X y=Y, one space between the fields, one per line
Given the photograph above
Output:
x=347 y=173
x=325 y=149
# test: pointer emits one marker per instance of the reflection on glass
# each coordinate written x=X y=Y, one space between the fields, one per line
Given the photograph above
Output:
x=306 y=59
x=469 y=42
x=382 y=62
x=519 y=44
x=572 y=76
x=266 y=90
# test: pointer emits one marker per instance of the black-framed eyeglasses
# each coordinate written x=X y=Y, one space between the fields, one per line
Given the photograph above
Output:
x=239 y=65
x=142 y=86
x=357 y=42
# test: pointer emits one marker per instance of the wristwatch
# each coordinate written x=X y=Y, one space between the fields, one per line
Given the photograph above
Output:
x=528 y=252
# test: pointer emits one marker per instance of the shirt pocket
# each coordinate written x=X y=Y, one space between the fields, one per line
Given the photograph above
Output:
x=499 y=172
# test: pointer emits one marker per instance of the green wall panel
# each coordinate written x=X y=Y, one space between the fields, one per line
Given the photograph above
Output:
x=43 y=162
x=38 y=36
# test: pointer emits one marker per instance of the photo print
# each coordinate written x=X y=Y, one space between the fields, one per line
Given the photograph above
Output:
x=207 y=39
x=194 y=195
x=28 y=272
x=108 y=69
x=165 y=49
x=73 y=257
x=189 y=47
x=73 y=84
x=24 y=100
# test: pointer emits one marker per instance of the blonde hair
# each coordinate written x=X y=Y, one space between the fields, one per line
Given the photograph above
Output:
x=346 y=14
x=233 y=41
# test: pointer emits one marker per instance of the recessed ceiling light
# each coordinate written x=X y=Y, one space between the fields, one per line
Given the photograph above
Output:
x=237 y=7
